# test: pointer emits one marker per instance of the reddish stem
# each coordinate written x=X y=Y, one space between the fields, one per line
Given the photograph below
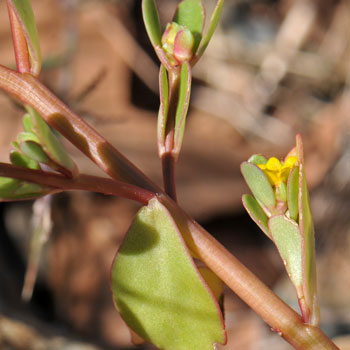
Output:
x=19 y=42
x=81 y=182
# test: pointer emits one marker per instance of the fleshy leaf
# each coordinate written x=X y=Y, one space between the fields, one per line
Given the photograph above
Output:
x=259 y=185
x=34 y=151
x=285 y=233
x=22 y=160
x=292 y=195
x=182 y=106
x=13 y=189
x=157 y=288
x=190 y=13
x=151 y=20
x=257 y=159
x=163 y=108
x=24 y=13
x=51 y=145
x=27 y=122
x=212 y=26
x=307 y=231
x=256 y=213
x=27 y=136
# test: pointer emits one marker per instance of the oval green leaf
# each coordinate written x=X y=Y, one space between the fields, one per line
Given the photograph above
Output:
x=24 y=12
x=182 y=106
x=212 y=26
x=163 y=108
x=311 y=315
x=22 y=160
x=285 y=233
x=191 y=14
x=257 y=159
x=157 y=288
x=151 y=20
x=256 y=213
x=292 y=193
x=259 y=185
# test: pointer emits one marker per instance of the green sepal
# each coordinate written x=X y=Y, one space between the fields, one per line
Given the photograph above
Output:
x=286 y=235
x=151 y=20
x=257 y=159
x=182 y=106
x=191 y=14
x=158 y=289
x=256 y=213
x=259 y=185
x=211 y=29
x=24 y=161
x=311 y=309
x=24 y=12
x=292 y=194
x=34 y=151
x=163 y=108
x=51 y=145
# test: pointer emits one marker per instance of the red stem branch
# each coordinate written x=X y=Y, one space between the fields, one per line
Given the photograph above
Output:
x=81 y=182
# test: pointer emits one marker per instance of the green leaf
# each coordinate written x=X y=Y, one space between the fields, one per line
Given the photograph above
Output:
x=151 y=20
x=257 y=159
x=311 y=314
x=51 y=145
x=259 y=185
x=285 y=233
x=27 y=123
x=163 y=108
x=292 y=194
x=191 y=14
x=24 y=13
x=256 y=213
x=24 y=161
x=13 y=189
x=182 y=106
x=212 y=26
x=34 y=151
x=27 y=136
x=157 y=288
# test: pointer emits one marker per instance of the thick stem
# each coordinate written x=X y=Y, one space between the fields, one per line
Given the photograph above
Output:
x=30 y=91
x=81 y=182
x=19 y=42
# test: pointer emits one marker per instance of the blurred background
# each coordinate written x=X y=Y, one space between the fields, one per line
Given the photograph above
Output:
x=273 y=69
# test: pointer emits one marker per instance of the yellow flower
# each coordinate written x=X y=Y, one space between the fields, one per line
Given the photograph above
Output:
x=277 y=171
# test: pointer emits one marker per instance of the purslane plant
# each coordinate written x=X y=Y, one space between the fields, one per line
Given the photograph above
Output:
x=158 y=289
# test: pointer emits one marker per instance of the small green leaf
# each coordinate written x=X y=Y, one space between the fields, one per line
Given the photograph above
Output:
x=27 y=123
x=257 y=159
x=191 y=14
x=151 y=20
x=158 y=289
x=293 y=189
x=22 y=160
x=286 y=235
x=34 y=151
x=24 y=13
x=182 y=106
x=13 y=189
x=163 y=108
x=50 y=143
x=212 y=26
x=256 y=213
x=311 y=315
x=27 y=136
x=259 y=185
